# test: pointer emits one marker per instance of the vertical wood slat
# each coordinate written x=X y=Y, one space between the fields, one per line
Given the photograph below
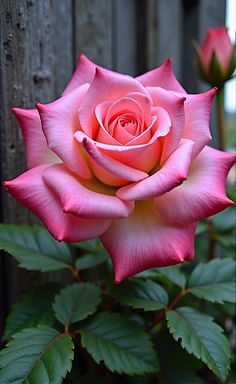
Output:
x=93 y=30
x=164 y=33
x=36 y=61
x=105 y=31
x=124 y=40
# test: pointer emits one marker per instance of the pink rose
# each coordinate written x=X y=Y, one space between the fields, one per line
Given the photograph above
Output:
x=124 y=159
x=216 y=56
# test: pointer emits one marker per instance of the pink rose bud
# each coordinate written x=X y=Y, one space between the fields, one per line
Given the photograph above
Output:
x=125 y=159
x=216 y=57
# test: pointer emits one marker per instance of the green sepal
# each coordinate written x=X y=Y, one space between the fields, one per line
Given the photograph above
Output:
x=216 y=72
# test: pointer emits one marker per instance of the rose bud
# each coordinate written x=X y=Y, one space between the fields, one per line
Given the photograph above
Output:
x=216 y=57
x=125 y=159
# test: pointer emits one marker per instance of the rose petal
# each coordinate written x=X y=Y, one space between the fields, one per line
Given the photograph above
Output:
x=146 y=136
x=174 y=105
x=203 y=193
x=59 y=122
x=160 y=127
x=197 y=115
x=121 y=133
x=113 y=167
x=163 y=77
x=84 y=73
x=144 y=102
x=103 y=135
x=141 y=157
x=122 y=106
x=92 y=200
x=29 y=189
x=217 y=40
x=37 y=151
x=144 y=240
x=105 y=86
x=109 y=116
x=173 y=172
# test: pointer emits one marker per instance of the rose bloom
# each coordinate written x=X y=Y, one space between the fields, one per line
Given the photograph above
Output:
x=125 y=159
x=216 y=55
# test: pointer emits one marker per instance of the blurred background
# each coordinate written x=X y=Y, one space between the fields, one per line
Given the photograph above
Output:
x=230 y=87
x=40 y=45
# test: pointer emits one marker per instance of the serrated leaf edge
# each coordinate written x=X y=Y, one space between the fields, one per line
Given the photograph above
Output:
x=177 y=338
x=45 y=350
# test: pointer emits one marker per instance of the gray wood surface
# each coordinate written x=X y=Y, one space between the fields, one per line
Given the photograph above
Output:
x=40 y=44
x=36 y=62
x=93 y=30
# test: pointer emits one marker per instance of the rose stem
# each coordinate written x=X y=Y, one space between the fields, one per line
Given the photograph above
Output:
x=161 y=316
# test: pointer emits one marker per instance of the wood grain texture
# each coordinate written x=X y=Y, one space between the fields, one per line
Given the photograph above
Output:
x=165 y=33
x=93 y=30
x=36 y=62
x=124 y=37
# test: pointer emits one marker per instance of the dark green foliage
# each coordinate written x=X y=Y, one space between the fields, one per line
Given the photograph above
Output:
x=120 y=343
x=34 y=248
x=34 y=308
x=36 y=355
x=146 y=295
x=199 y=335
x=214 y=281
x=76 y=302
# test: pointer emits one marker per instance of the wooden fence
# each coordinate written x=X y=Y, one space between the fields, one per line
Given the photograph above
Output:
x=40 y=43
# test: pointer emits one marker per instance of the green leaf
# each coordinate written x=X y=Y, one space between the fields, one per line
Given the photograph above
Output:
x=214 y=281
x=90 y=260
x=146 y=295
x=25 y=314
x=76 y=302
x=199 y=335
x=91 y=246
x=36 y=356
x=227 y=239
x=172 y=274
x=120 y=343
x=34 y=248
x=224 y=221
x=201 y=228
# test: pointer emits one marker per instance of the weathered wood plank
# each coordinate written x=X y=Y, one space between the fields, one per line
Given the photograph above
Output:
x=93 y=30
x=190 y=31
x=124 y=36
x=164 y=26
x=36 y=61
